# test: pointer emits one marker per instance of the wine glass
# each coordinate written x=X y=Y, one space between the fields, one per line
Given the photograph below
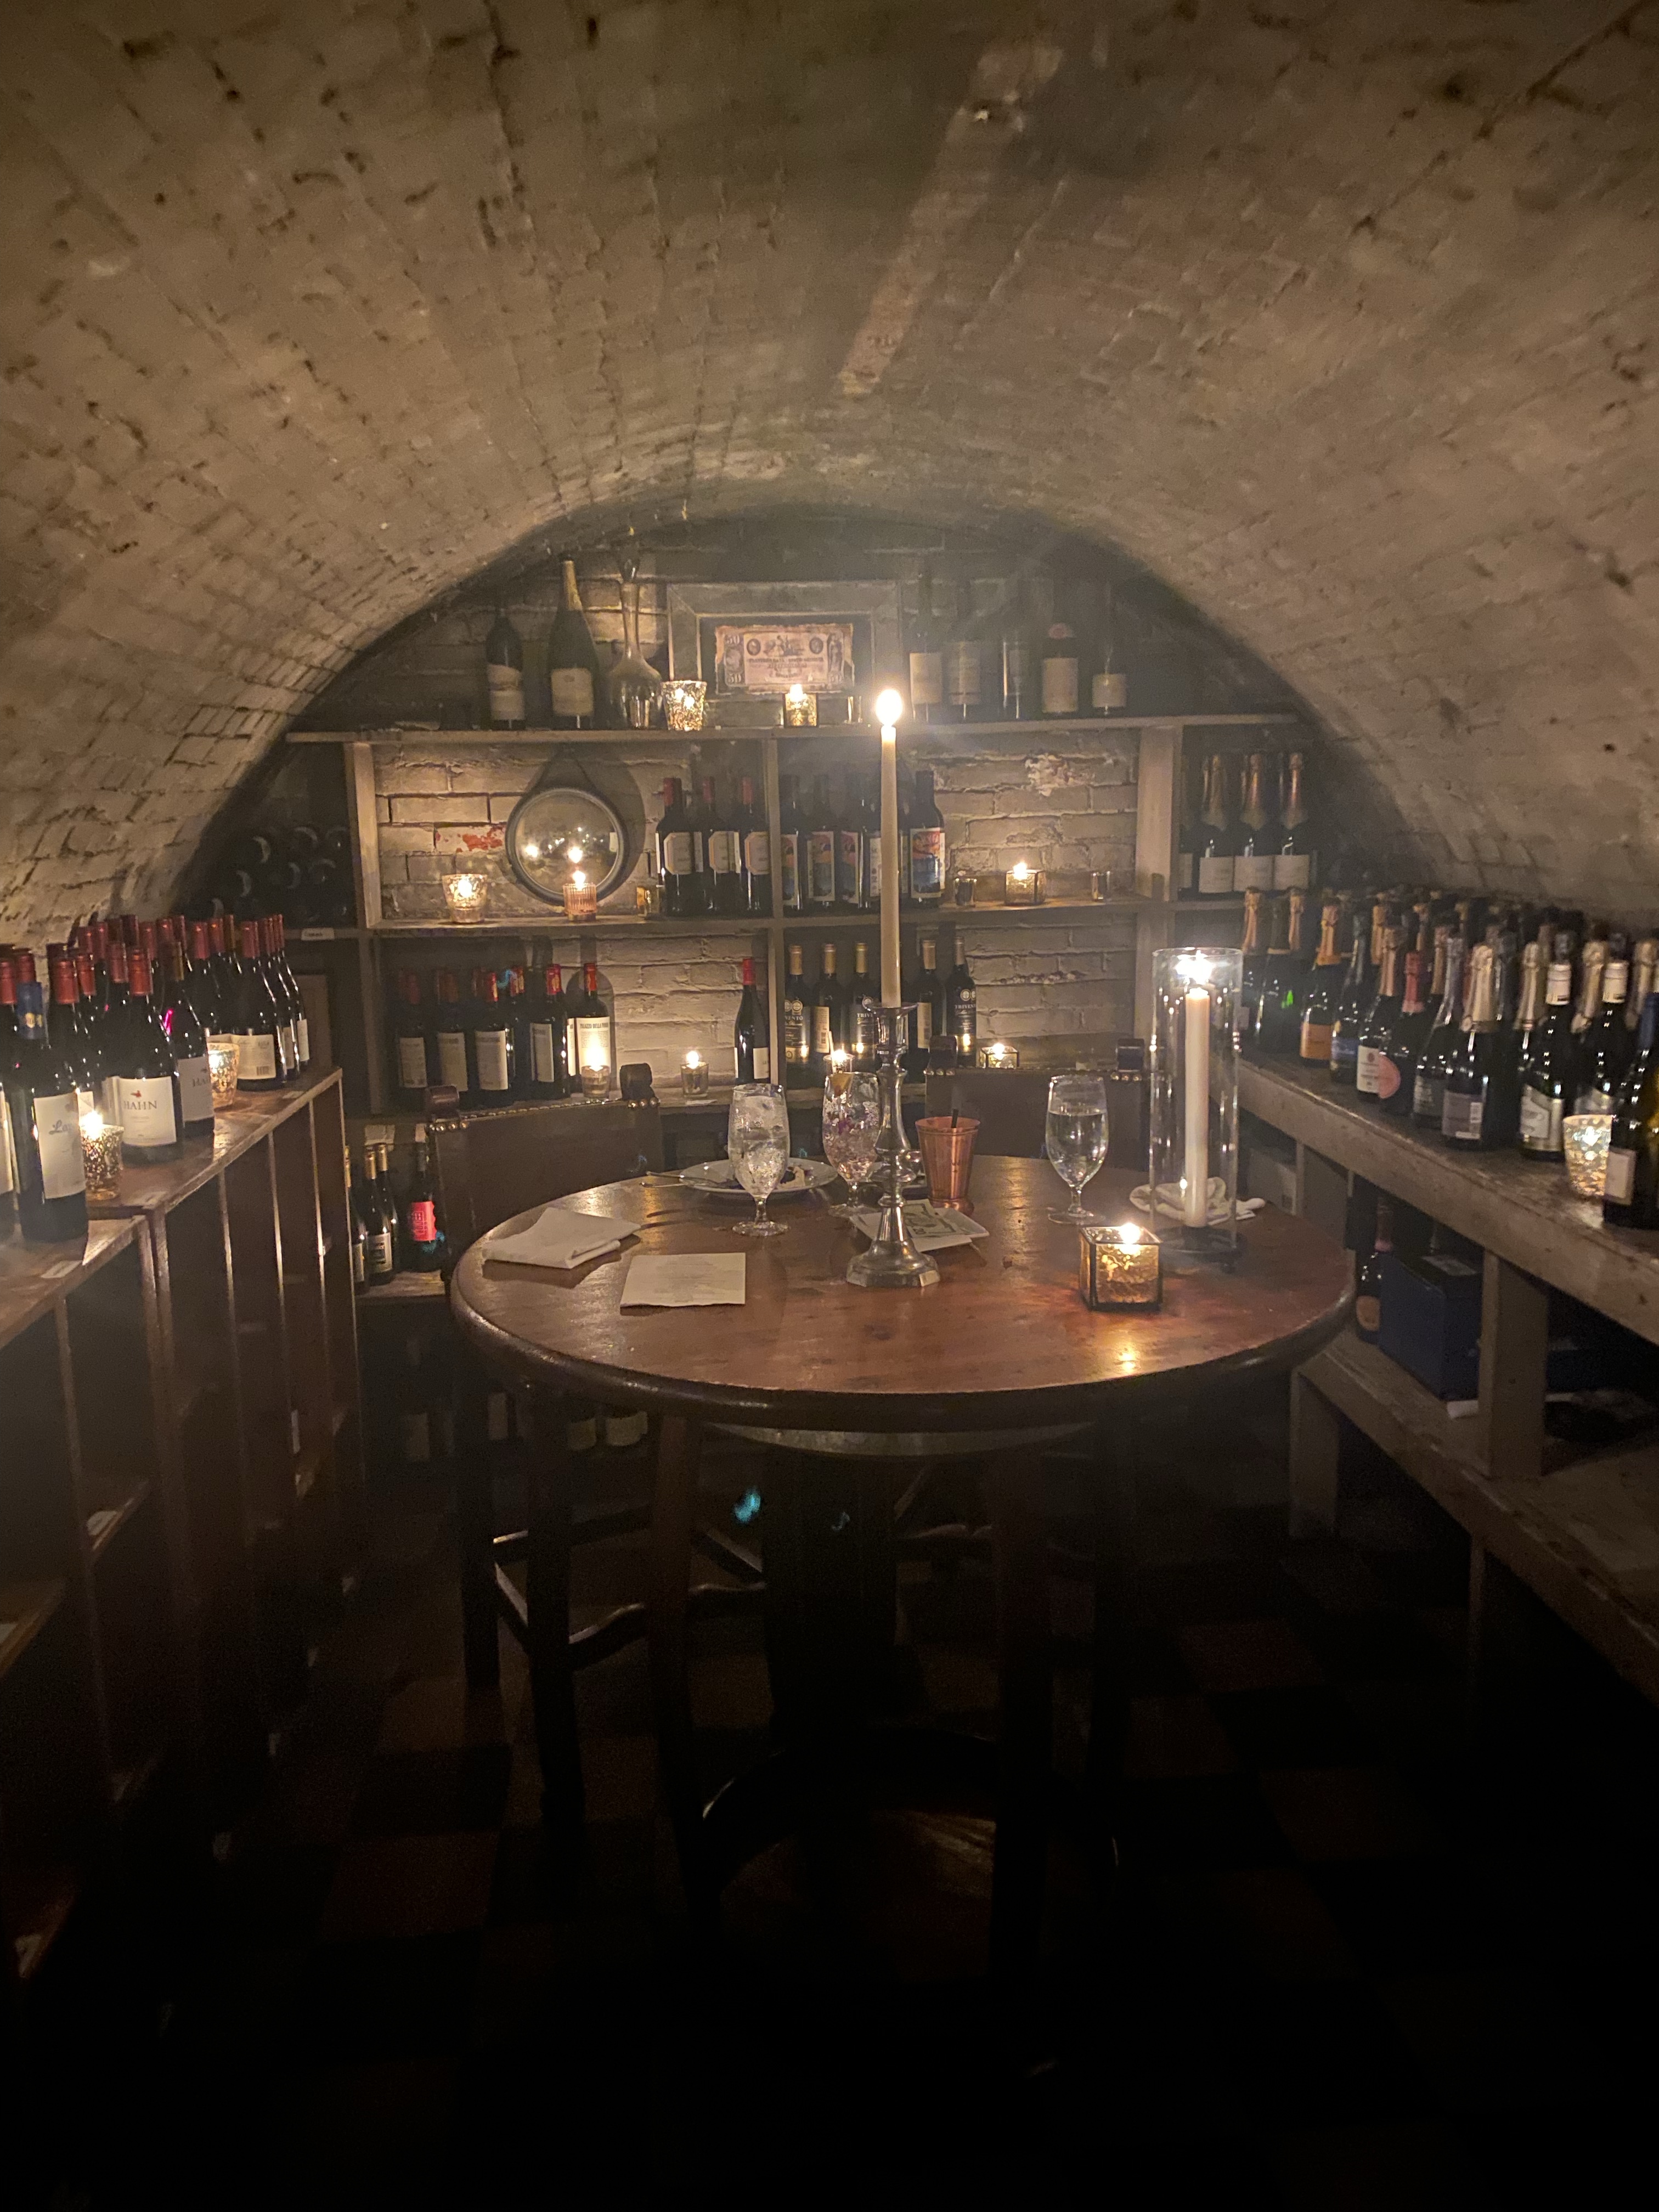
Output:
x=1075 y=1135
x=757 y=1145
x=852 y=1123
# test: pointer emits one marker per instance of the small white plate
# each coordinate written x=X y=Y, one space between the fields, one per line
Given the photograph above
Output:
x=718 y=1178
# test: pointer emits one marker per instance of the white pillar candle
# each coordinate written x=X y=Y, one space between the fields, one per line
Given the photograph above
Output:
x=887 y=707
x=1195 y=1158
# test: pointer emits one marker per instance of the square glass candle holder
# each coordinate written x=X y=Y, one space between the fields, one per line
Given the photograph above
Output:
x=1194 y=1098
x=800 y=708
x=693 y=1075
x=581 y=899
x=1022 y=885
x=1119 y=1268
x=595 y=1079
x=1000 y=1054
x=466 y=894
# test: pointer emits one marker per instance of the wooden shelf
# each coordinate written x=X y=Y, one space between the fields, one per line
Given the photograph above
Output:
x=1520 y=1209
x=1078 y=724
x=552 y=923
x=237 y=1129
x=103 y=1526
x=25 y=1609
x=410 y=1290
x=36 y=1277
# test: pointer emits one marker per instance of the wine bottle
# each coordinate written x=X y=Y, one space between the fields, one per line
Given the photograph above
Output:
x=820 y=842
x=422 y=1243
x=293 y=996
x=287 y=1048
x=379 y=1254
x=1383 y=1012
x=594 y=1047
x=549 y=1073
x=146 y=1079
x=69 y=1037
x=408 y=1026
x=1440 y=1046
x=389 y=1206
x=797 y=1027
x=861 y=1010
x=1186 y=837
x=1216 y=842
x=827 y=1013
x=1643 y=977
x=1294 y=862
x=1604 y=1050
x=962 y=1006
x=1019 y=675
x=450 y=1036
x=573 y=662
x=1060 y=674
x=359 y=1228
x=1357 y=995
x=757 y=851
x=1630 y=1198
x=187 y=1040
x=1255 y=966
x=1277 y=1016
x=926 y=658
x=703 y=828
x=1395 y=1067
x=791 y=878
x=965 y=663
x=1368 y=1282
x=751 y=1039
x=504 y=673
x=45 y=1161
x=1547 y=1075
x=518 y=1023
x=259 y=1020
x=1108 y=686
x=1253 y=858
x=492 y=1043
x=851 y=889
x=1474 y=1113
x=723 y=847
x=926 y=856
x=920 y=992
x=675 y=860
x=1324 y=990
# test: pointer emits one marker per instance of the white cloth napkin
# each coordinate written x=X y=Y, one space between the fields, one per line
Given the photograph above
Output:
x=932 y=1228
x=560 y=1236
x=686 y=1279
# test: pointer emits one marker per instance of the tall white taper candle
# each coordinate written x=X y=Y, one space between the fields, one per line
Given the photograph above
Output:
x=1195 y=1158
x=888 y=707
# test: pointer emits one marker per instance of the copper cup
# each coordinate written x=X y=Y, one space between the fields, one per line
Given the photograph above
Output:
x=947 y=1154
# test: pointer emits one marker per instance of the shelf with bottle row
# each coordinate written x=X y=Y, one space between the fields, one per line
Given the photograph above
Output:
x=553 y=924
x=722 y=734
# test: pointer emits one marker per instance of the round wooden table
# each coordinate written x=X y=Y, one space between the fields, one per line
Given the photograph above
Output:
x=999 y=1354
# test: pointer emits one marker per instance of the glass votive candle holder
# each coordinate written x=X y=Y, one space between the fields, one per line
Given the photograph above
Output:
x=1022 y=885
x=800 y=708
x=1119 y=1268
x=1585 y=1137
x=596 y=1079
x=101 y=1153
x=581 y=899
x=964 y=891
x=222 y=1073
x=466 y=894
x=684 y=703
x=1000 y=1054
x=693 y=1075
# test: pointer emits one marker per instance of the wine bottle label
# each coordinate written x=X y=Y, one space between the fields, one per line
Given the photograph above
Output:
x=8 y=1157
x=1184 y=862
x=1345 y=1052
x=542 y=1063
x=1620 y=1185
x=58 y=1141
x=1109 y=690
x=415 y=1433
x=109 y=1101
x=359 y=1271
x=256 y=1056
x=1460 y=1116
x=964 y=1018
x=302 y=1034
x=1316 y=1040
x=592 y=1042
x=927 y=864
x=823 y=1041
x=490 y=1050
x=1252 y=871
x=411 y=1063
x=288 y=1044
x=1540 y=1123
x=1215 y=875
x=762 y=1071
x=86 y=1102
x=864 y=1030
x=1387 y=1077
x=377 y=1254
x=821 y=867
x=571 y=1058
x=789 y=857
x=497 y=1428
x=451 y=1058
x=195 y=1091
x=849 y=867
x=506 y=693
x=927 y=679
x=148 y=1120
x=1292 y=871
x=757 y=851
x=699 y=857
x=1367 y=1063
x=573 y=691
x=723 y=854
x=963 y=674
x=1059 y=686
x=794 y=1032
x=924 y=1025
x=422 y=1221
x=676 y=857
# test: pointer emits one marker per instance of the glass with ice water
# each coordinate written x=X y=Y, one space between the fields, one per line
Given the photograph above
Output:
x=1075 y=1135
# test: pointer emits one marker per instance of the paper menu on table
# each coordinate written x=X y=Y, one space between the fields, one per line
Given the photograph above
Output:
x=686 y=1279
x=561 y=1237
x=932 y=1228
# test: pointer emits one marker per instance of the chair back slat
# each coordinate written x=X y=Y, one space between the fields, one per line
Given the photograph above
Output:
x=489 y=1167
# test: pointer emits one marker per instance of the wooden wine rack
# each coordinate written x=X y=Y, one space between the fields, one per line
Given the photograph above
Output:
x=180 y=1493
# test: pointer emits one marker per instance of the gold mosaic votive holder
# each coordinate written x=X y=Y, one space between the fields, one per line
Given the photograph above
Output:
x=1585 y=1137
x=221 y=1074
x=1119 y=1269
x=684 y=703
x=800 y=708
x=101 y=1153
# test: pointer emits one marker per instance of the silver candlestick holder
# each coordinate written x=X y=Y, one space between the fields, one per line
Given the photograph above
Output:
x=890 y=1261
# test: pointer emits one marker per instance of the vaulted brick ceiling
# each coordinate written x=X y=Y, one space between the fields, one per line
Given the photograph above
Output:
x=1339 y=316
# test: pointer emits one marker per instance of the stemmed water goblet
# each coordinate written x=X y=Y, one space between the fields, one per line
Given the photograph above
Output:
x=1075 y=1136
x=757 y=1145
x=852 y=1123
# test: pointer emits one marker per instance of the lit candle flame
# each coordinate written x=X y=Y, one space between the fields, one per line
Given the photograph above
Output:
x=1021 y=871
x=889 y=707
x=693 y=1060
x=92 y=1125
x=579 y=881
x=1130 y=1233
x=796 y=694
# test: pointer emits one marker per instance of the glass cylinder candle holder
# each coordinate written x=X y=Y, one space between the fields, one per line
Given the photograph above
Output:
x=101 y=1153
x=1194 y=1098
x=1119 y=1266
x=1022 y=885
x=222 y=1073
x=693 y=1075
x=596 y=1077
x=800 y=708
x=964 y=890
x=466 y=894
x=1585 y=1138
x=581 y=899
x=1000 y=1054
x=684 y=703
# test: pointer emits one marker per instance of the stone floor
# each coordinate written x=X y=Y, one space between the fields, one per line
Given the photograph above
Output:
x=1353 y=1960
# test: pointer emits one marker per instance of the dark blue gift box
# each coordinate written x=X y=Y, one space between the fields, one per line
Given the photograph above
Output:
x=1432 y=1320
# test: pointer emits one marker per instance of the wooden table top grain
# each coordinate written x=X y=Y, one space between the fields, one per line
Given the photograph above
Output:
x=1002 y=1339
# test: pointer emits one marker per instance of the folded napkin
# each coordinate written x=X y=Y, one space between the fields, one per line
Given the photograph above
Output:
x=560 y=1236
x=1169 y=1202
x=685 y=1278
x=932 y=1228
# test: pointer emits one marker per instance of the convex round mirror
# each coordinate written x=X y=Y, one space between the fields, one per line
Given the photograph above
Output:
x=555 y=831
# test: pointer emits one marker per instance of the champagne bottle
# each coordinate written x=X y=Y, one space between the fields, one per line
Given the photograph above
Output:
x=1604 y=1051
x=1397 y=1055
x=1475 y=1112
x=1385 y=1011
x=1547 y=1077
x=1253 y=860
x=1357 y=993
x=573 y=662
x=1285 y=980
x=1324 y=990
x=797 y=1029
x=504 y=673
x=1293 y=863
x=1216 y=842
x=1255 y=968
x=1630 y=1196
x=379 y=1252
x=926 y=656
x=1440 y=1046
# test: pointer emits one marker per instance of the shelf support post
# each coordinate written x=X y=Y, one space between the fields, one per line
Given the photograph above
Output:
x=1514 y=1355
